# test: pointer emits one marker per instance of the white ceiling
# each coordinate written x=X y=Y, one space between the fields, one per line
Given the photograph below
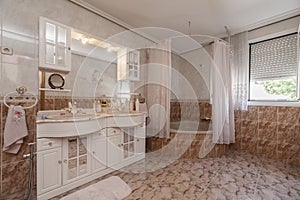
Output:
x=208 y=17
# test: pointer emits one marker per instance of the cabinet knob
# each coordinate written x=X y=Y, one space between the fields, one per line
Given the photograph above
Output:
x=137 y=140
x=50 y=144
x=93 y=152
x=59 y=162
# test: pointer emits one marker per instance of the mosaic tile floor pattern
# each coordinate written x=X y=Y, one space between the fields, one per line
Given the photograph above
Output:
x=236 y=176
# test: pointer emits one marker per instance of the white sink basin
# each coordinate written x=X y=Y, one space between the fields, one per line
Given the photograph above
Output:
x=69 y=116
x=62 y=124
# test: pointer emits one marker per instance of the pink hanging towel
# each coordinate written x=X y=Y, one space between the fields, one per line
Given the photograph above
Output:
x=15 y=129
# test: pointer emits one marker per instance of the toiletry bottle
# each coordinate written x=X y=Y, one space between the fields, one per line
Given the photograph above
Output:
x=98 y=107
x=137 y=105
x=131 y=105
x=70 y=105
x=74 y=108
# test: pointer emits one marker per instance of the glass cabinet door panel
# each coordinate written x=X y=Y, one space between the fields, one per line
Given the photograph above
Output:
x=125 y=151
x=82 y=165
x=50 y=33
x=131 y=59
x=82 y=146
x=61 y=56
x=72 y=147
x=50 y=54
x=131 y=149
x=61 y=36
x=72 y=168
x=136 y=59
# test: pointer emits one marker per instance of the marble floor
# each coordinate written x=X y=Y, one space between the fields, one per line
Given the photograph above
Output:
x=235 y=176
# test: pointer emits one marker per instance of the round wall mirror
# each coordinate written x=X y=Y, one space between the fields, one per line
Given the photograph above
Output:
x=56 y=81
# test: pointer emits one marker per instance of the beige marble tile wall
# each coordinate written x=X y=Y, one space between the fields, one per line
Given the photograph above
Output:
x=14 y=168
x=271 y=132
x=190 y=110
x=183 y=145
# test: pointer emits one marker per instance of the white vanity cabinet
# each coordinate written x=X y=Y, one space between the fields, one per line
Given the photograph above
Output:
x=67 y=159
x=128 y=65
x=114 y=146
x=76 y=159
x=54 y=46
x=99 y=150
x=49 y=160
x=140 y=140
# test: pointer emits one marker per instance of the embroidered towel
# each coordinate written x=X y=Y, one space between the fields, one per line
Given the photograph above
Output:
x=15 y=129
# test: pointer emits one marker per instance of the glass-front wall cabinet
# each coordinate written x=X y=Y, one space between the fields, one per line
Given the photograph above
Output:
x=55 y=46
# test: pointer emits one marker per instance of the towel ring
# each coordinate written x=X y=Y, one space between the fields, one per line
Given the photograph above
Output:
x=20 y=92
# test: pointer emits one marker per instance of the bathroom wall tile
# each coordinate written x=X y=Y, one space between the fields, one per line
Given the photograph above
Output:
x=24 y=48
x=249 y=144
x=249 y=128
x=22 y=73
x=267 y=130
x=195 y=148
x=49 y=104
x=237 y=126
x=286 y=151
x=237 y=114
x=11 y=158
x=288 y=115
x=238 y=144
x=267 y=113
x=14 y=177
x=266 y=148
x=250 y=114
x=288 y=133
x=208 y=110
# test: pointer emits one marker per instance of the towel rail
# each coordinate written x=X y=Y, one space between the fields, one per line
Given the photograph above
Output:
x=20 y=96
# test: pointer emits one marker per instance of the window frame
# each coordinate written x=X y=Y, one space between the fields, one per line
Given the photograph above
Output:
x=295 y=103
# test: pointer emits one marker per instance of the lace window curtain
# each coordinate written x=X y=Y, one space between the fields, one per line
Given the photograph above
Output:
x=239 y=60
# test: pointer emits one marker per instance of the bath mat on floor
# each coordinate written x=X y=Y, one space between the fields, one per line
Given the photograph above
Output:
x=112 y=188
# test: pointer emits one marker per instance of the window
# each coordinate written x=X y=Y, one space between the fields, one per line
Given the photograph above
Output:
x=273 y=69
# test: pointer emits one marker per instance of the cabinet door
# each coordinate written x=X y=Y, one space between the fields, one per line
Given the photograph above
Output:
x=128 y=65
x=127 y=135
x=98 y=147
x=133 y=65
x=140 y=134
x=49 y=170
x=54 y=49
x=114 y=150
x=76 y=159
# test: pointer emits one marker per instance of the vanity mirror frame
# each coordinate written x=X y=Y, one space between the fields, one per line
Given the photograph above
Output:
x=56 y=81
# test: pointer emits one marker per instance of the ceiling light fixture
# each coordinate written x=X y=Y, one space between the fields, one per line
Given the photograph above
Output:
x=84 y=40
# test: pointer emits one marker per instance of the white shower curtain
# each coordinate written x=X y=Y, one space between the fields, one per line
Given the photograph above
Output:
x=239 y=70
x=157 y=89
x=222 y=108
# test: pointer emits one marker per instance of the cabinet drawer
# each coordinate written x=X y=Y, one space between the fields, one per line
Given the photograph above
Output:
x=48 y=143
x=125 y=121
x=113 y=131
